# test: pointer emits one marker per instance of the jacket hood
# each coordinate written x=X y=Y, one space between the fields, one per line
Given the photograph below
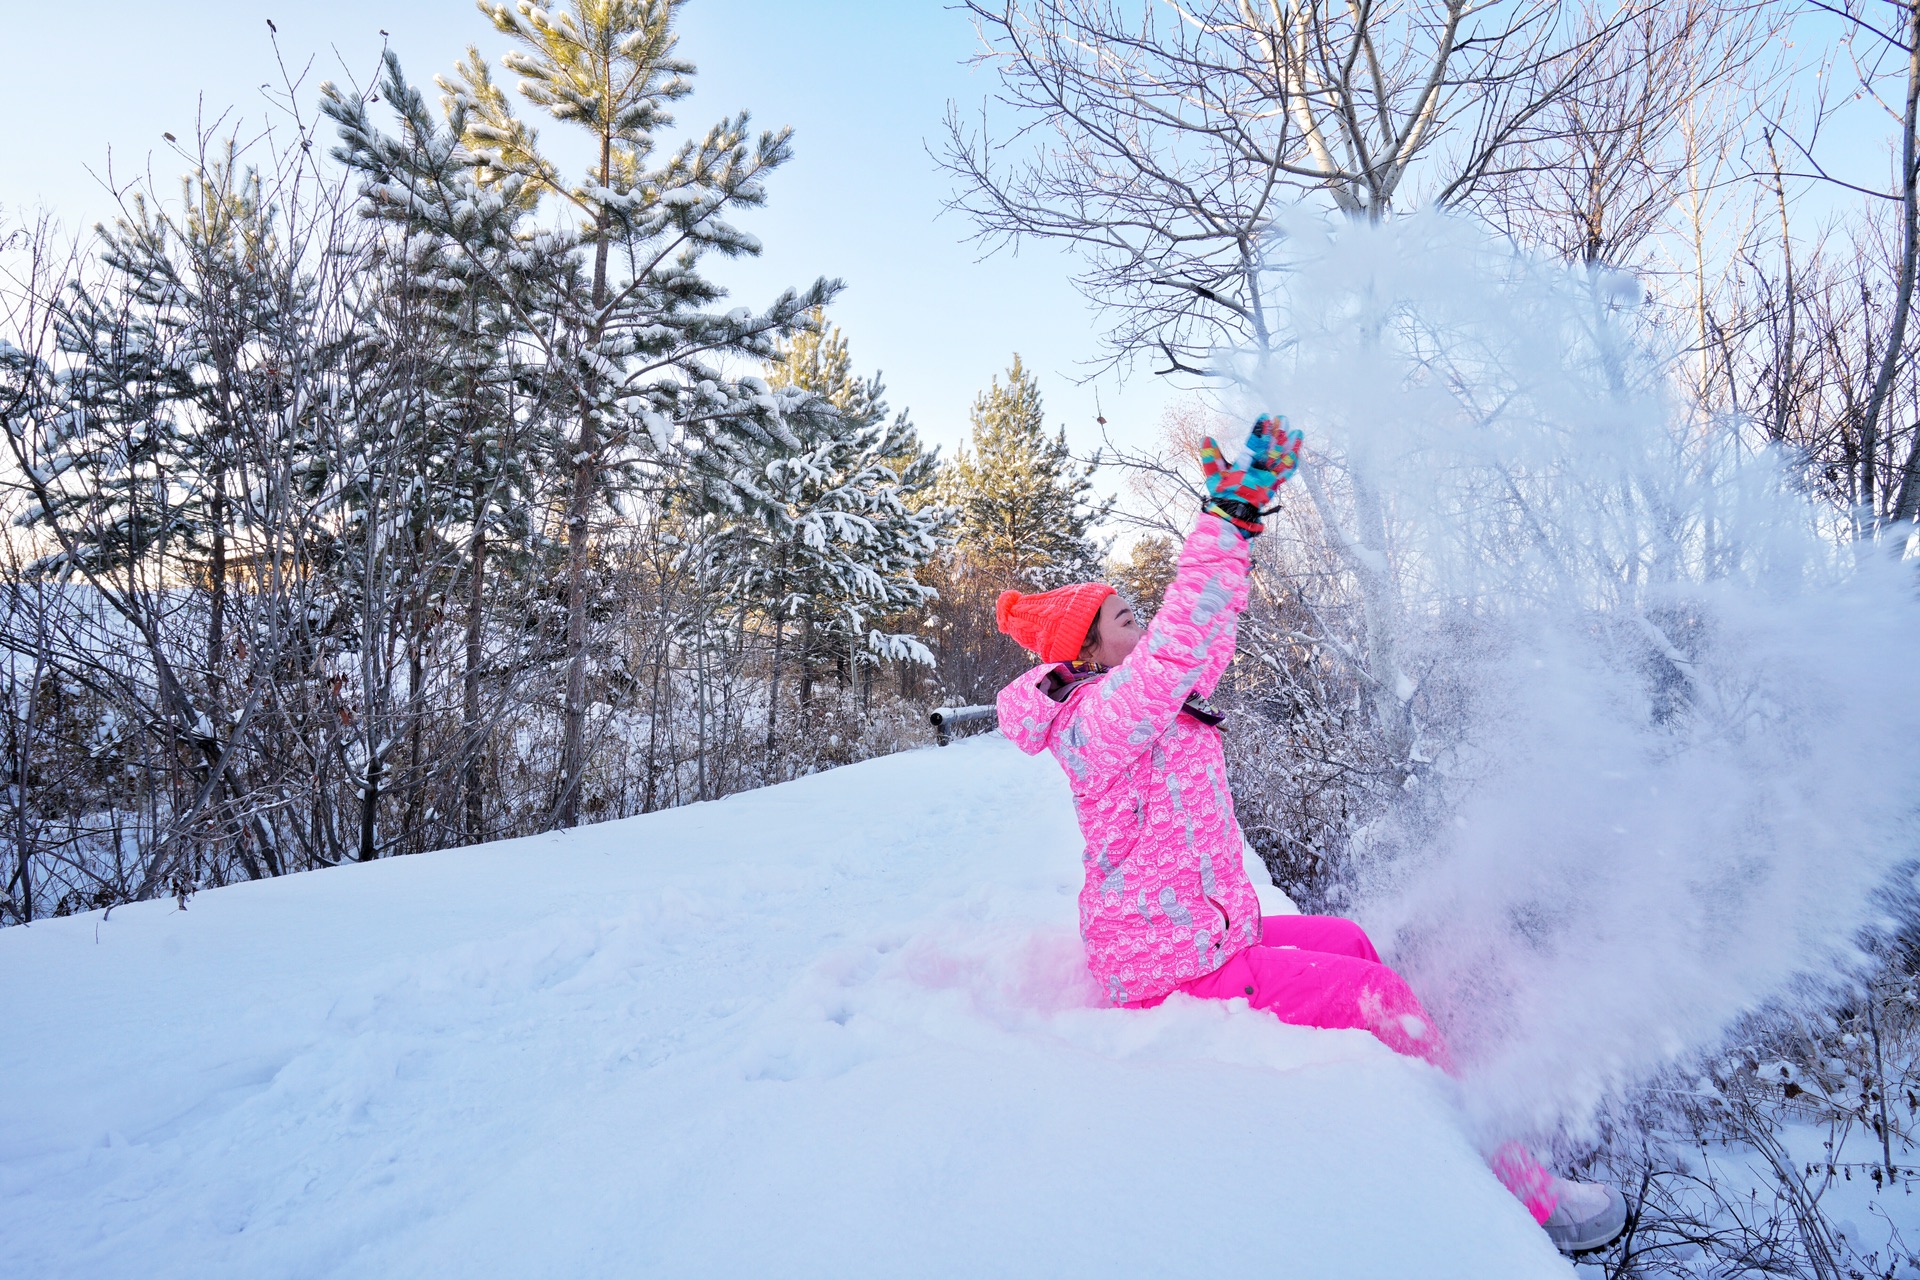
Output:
x=1027 y=714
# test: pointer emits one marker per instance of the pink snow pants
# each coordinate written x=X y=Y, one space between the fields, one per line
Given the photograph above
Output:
x=1322 y=971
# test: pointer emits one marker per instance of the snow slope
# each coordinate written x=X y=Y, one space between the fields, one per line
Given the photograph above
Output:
x=837 y=1028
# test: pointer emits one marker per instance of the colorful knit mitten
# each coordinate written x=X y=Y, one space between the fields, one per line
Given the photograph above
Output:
x=1239 y=489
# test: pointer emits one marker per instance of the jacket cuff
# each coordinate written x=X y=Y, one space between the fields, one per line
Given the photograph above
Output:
x=1243 y=516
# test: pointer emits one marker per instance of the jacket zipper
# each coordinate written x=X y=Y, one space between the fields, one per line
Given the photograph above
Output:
x=1226 y=921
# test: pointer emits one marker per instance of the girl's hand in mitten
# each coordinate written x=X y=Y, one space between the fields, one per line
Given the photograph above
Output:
x=1239 y=488
x=1283 y=444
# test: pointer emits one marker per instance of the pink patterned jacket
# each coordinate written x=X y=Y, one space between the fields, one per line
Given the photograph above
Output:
x=1166 y=898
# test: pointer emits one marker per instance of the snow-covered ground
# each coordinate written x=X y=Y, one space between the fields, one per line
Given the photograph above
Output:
x=837 y=1028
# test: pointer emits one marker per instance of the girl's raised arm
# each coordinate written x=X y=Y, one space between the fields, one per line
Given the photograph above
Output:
x=1191 y=638
x=1185 y=650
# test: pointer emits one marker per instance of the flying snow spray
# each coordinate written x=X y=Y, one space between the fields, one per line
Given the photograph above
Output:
x=1665 y=724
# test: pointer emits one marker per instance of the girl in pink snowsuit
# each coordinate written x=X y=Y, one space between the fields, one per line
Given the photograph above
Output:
x=1166 y=905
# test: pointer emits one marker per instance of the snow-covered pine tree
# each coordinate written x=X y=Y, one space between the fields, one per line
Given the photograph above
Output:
x=633 y=336
x=432 y=469
x=173 y=365
x=1144 y=576
x=835 y=554
x=120 y=484
x=1026 y=521
x=166 y=364
x=818 y=359
x=461 y=257
x=484 y=410
x=620 y=312
x=1026 y=514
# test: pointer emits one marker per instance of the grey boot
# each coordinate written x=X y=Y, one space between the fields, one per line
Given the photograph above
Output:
x=1589 y=1216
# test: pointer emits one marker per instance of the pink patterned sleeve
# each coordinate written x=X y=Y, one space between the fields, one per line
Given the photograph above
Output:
x=1185 y=650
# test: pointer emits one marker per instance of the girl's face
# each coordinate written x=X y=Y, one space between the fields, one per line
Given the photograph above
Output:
x=1119 y=632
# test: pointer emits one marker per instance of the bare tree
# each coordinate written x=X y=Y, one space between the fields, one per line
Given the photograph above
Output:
x=1166 y=141
x=1664 y=90
x=1882 y=41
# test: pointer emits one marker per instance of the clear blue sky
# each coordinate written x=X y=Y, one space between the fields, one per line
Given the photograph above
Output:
x=864 y=83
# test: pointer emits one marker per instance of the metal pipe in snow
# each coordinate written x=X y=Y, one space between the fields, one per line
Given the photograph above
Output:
x=946 y=719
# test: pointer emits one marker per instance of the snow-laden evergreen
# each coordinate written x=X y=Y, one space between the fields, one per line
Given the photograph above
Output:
x=409 y=492
x=1026 y=508
x=628 y=333
x=836 y=541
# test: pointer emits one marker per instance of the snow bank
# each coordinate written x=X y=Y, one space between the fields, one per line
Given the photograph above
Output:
x=833 y=1028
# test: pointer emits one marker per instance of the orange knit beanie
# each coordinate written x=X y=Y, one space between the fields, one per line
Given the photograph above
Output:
x=1054 y=623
